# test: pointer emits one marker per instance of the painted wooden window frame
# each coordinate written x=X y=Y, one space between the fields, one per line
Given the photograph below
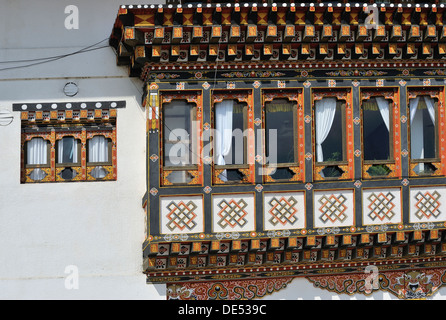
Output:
x=394 y=164
x=347 y=165
x=438 y=93
x=248 y=168
x=27 y=169
x=195 y=170
x=295 y=96
x=83 y=133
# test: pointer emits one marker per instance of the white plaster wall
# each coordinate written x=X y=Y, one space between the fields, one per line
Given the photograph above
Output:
x=96 y=226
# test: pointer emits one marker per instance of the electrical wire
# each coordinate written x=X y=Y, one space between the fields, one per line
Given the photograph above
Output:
x=38 y=61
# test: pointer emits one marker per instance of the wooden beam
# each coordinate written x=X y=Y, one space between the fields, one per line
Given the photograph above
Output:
x=133 y=36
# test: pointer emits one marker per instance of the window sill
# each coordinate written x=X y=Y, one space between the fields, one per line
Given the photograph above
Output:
x=231 y=166
x=374 y=162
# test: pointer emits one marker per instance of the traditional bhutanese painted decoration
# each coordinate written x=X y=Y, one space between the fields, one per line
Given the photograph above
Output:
x=333 y=209
x=426 y=204
x=82 y=121
x=404 y=284
x=381 y=206
x=285 y=218
x=283 y=211
x=233 y=212
x=181 y=215
x=226 y=290
x=408 y=285
x=153 y=108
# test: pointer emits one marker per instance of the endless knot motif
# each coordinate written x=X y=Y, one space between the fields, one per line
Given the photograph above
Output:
x=381 y=206
x=232 y=213
x=283 y=211
x=181 y=215
x=333 y=208
x=427 y=204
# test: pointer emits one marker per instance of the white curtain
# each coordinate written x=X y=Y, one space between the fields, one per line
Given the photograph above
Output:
x=416 y=126
x=325 y=112
x=98 y=152
x=383 y=106
x=223 y=135
x=416 y=130
x=67 y=150
x=37 y=151
x=413 y=105
x=430 y=104
x=98 y=149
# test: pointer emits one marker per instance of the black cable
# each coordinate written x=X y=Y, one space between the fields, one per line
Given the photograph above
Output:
x=51 y=60
x=37 y=59
x=54 y=58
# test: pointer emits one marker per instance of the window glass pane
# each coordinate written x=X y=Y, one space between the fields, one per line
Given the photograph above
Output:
x=178 y=135
x=98 y=149
x=68 y=174
x=332 y=143
x=67 y=150
x=37 y=174
x=428 y=136
x=37 y=151
x=375 y=132
x=179 y=177
x=98 y=172
x=279 y=126
x=230 y=118
x=422 y=129
x=237 y=153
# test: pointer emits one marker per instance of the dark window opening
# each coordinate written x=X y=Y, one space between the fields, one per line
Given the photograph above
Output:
x=376 y=131
x=280 y=132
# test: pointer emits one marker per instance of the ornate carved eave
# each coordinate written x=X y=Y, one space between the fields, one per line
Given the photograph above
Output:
x=291 y=35
x=412 y=284
x=292 y=257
